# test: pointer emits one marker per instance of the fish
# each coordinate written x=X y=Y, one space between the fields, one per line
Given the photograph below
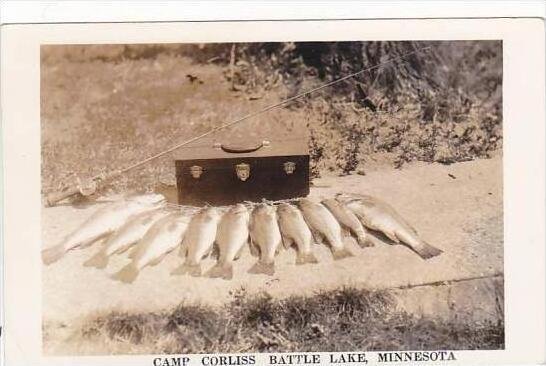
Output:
x=324 y=225
x=231 y=236
x=265 y=238
x=103 y=222
x=124 y=238
x=380 y=216
x=160 y=239
x=348 y=220
x=294 y=230
x=198 y=241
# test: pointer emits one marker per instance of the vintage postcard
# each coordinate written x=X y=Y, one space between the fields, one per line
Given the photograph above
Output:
x=274 y=193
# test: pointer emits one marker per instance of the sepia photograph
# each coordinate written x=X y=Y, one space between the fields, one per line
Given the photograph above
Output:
x=250 y=197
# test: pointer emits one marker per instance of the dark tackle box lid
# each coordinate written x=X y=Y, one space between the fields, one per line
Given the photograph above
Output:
x=255 y=139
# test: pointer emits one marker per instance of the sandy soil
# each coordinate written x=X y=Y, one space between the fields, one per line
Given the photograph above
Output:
x=457 y=208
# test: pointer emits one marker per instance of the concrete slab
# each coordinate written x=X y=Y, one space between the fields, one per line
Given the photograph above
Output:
x=457 y=208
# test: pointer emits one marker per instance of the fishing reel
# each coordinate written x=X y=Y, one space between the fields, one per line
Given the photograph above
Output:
x=83 y=188
x=87 y=187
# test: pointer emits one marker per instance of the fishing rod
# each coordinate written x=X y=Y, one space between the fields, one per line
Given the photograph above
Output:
x=89 y=186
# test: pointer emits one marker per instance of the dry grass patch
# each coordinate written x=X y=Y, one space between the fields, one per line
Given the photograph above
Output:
x=339 y=320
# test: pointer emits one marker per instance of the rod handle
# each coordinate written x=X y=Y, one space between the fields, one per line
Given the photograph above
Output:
x=55 y=197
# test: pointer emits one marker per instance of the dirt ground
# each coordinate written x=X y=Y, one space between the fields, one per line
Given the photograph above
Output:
x=457 y=208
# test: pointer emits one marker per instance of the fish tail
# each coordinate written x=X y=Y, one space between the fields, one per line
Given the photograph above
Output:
x=53 y=254
x=263 y=268
x=221 y=270
x=304 y=258
x=364 y=242
x=127 y=274
x=99 y=260
x=191 y=269
x=341 y=253
x=426 y=251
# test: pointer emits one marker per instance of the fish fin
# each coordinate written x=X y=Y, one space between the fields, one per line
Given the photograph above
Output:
x=306 y=258
x=263 y=268
x=412 y=229
x=148 y=219
x=215 y=251
x=183 y=252
x=158 y=260
x=341 y=253
x=124 y=248
x=194 y=270
x=317 y=237
x=345 y=232
x=53 y=254
x=99 y=260
x=287 y=242
x=426 y=251
x=364 y=241
x=239 y=253
x=127 y=274
x=221 y=270
x=209 y=253
x=377 y=238
x=391 y=236
x=92 y=241
x=254 y=248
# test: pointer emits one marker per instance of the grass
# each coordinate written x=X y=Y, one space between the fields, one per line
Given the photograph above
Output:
x=336 y=320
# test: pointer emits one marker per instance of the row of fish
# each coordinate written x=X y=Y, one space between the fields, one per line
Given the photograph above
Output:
x=144 y=225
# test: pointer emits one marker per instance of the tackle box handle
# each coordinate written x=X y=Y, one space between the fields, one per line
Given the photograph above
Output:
x=239 y=149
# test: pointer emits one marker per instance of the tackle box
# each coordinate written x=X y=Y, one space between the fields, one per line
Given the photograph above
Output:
x=247 y=163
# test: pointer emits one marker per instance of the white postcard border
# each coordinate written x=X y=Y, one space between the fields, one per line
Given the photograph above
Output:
x=524 y=162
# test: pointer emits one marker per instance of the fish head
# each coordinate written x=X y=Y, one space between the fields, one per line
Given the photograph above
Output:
x=346 y=197
x=359 y=207
x=239 y=207
x=285 y=208
x=330 y=202
x=158 y=205
x=150 y=198
x=239 y=210
x=211 y=213
x=306 y=203
x=181 y=217
x=355 y=196
x=172 y=215
x=264 y=209
x=270 y=210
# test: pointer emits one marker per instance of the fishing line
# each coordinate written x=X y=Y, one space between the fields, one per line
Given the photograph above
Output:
x=266 y=109
x=212 y=145
x=55 y=197
x=249 y=204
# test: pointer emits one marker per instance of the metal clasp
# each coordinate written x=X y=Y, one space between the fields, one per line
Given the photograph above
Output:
x=196 y=171
x=243 y=171
x=289 y=167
